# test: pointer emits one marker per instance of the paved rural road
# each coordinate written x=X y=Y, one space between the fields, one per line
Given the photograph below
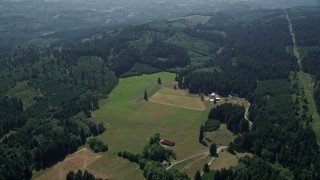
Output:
x=246 y=116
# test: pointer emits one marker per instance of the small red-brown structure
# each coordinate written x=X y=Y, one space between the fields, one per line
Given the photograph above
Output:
x=167 y=143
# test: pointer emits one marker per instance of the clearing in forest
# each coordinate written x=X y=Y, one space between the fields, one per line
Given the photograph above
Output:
x=222 y=136
x=305 y=83
x=24 y=92
x=130 y=121
x=194 y=19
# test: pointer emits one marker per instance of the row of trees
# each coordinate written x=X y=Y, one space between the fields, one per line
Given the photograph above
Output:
x=81 y=176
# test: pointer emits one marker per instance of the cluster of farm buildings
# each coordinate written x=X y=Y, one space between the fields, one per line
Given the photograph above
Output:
x=214 y=97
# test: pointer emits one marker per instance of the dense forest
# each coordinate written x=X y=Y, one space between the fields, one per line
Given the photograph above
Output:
x=253 y=50
x=37 y=131
x=245 y=54
x=276 y=135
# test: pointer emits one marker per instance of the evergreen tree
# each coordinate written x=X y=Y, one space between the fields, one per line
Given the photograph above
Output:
x=197 y=176
x=231 y=148
x=78 y=175
x=83 y=136
x=101 y=128
x=201 y=134
x=159 y=81
x=70 y=175
x=213 y=149
x=145 y=95
x=217 y=175
x=243 y=125
x=206 y=168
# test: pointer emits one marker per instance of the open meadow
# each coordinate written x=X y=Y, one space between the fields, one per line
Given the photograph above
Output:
x=130 y=121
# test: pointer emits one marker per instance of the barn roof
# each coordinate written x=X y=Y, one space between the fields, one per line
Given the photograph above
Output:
x=167 y=142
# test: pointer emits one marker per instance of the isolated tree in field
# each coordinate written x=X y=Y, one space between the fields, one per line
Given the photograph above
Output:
x=213 y=149
x=201 y=134
x=145 y=95
x=202 y=97
x=159 y=81
x=197 y=176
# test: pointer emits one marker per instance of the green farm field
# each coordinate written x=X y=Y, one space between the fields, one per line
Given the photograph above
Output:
x=130 y=121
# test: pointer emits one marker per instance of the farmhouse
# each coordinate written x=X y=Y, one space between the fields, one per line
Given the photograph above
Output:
x=214 y=97
x=167 y=143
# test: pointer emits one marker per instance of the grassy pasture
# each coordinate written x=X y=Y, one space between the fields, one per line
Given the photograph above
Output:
x=79 y=160
x=222 y=136
x=186 y=164
x=117 y=168
x=226 y=160
x=172 y=98
x=130 y=121
x=193 y=166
